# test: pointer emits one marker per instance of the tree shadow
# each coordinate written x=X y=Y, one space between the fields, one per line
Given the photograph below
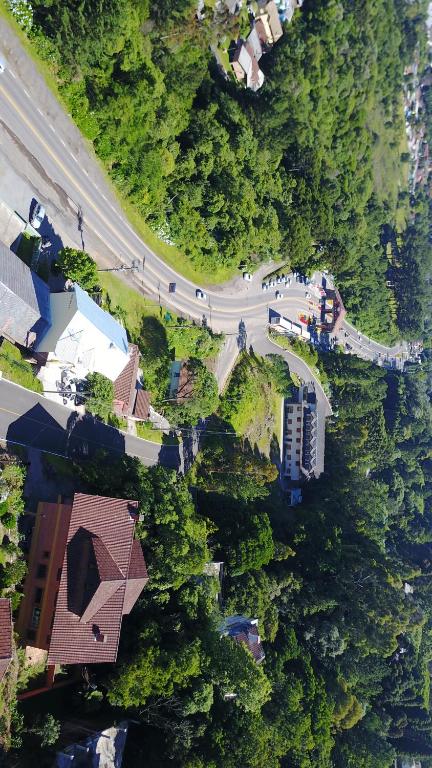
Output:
x=169 y=454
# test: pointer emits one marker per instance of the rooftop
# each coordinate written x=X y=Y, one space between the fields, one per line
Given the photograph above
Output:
x=5 y=635
x=25 y=314
x=102 y=577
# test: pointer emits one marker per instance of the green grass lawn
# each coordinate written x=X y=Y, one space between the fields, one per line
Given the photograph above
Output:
x=147 y=432
x=390 y=174
x=16 y=369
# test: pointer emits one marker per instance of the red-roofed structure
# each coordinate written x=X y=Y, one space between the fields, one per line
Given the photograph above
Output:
x=245 y=632
x=5 y=635
x=93 y=575
x=125 y=385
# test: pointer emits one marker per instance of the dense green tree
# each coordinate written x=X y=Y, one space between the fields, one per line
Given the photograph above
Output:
x=79 y=267
x=99 y=399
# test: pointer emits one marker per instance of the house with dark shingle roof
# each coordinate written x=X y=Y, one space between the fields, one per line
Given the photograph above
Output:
x=5 y=635
x=85 y=572
x=25 y=314
x=130 y=400
x=245 y=632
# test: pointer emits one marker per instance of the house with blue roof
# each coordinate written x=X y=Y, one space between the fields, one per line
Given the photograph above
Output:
x=83 y=336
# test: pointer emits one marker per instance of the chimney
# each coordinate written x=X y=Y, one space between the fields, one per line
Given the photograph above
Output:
x=100 y=638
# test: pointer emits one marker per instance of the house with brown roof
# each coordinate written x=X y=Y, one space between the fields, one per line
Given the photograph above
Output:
x=5 y=635
x=245 y=632
x=130 y=400
x=85 y=572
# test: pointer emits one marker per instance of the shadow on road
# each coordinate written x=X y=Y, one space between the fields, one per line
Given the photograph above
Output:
x=169 y=454
x=81 y=437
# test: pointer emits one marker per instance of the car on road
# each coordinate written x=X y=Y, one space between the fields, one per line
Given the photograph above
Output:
x=172 y=287
x=272 y=282
x=38 y=215
x=200 y=294
x=308 y=295
x=279 y=295
x=247 y=276
x=288 y=281
x=2 y=66
x=264 y=286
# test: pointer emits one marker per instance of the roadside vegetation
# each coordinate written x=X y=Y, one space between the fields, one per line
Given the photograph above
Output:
x=16 y=368
x=322 y=173
x=251 y=403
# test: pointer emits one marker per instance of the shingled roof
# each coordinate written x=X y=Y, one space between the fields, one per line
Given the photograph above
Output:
x=25 y=314
x=5 y=635
x=125 y=384
x=102 y=577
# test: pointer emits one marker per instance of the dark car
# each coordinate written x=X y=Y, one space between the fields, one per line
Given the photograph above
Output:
x=172 y=287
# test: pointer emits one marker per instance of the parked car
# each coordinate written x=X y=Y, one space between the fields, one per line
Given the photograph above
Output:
x=2 y=66
x=37 y=216
x=279 y=295
x=247 y=276
x=288 y=281
x=200 y=294
x=308 y=295
x=172 y=287
x=264 y=286
x=272 y=282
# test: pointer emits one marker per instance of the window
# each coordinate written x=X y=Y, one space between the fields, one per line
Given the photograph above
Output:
x=31 y=634
x=35 y=617
x=289 y=421
x=297 y=463
x=38 y=595
x=290 y=409
x=298 y=429
x=59 y=572
x=41 y=571
x=298 y=451
x=46 y=554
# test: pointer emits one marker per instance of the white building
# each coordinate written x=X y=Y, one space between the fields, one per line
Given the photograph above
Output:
x=84 y=337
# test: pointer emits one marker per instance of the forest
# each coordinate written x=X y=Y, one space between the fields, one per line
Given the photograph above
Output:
x=340 y=585
x=306 y=172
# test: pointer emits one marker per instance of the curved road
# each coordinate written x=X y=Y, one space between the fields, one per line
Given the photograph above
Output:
x=35 y=125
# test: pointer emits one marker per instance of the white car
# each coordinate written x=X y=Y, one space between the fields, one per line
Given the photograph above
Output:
x=37 y=216
x=308 y=295
x=200 y=294
x=288 y=281
x=279 y=295
x=264 y=286
x=2 y=66
x=247 y=276
x=272 y=282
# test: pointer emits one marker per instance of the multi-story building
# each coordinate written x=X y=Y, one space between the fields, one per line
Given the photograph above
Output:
x=303 y=441
x=85 y=572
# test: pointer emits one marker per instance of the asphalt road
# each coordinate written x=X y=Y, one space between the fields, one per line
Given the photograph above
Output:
x=30 y=419
x=42 y=150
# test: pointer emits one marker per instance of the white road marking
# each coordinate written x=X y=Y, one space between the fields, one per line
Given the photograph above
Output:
x=26 y=93
x=11 y=73
x=62 y=142
x=39 y=110
x=73 y=157
x=52 y=128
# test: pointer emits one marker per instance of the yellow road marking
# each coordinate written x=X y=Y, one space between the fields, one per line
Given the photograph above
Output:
x=109 y=226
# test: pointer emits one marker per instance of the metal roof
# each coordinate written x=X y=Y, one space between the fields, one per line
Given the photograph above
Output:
x=25 y=314
x=103 y=321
